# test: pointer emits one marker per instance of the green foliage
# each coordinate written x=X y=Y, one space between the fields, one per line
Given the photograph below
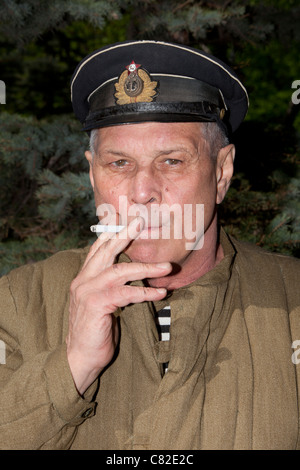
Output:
x=38 y=73
x=45 y=194
x=193 y=18
x=270 y=72
x=268 y=219
x=25 y=21
x=58 y=196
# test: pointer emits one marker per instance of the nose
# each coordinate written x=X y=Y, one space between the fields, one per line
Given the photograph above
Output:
x=144 y=187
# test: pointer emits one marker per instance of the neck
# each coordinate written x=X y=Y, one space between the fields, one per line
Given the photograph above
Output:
x=195 y=265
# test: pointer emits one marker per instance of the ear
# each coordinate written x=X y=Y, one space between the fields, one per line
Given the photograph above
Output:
x=224 y=171
x=89 y=157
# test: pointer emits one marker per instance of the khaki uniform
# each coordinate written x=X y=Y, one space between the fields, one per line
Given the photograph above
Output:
x=231 y=382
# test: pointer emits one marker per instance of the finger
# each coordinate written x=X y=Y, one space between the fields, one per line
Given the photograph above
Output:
x=120 y=274
x=125 y=295
x=104 y=237
x=105 y=253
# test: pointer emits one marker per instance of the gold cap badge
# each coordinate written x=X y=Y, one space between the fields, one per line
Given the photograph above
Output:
x=135 y=86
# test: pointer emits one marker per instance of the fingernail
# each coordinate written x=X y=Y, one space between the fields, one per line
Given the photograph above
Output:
x=163 y=265
x=161 y=291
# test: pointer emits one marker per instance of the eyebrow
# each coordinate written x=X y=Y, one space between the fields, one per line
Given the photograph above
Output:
x=114 y=152
x=120 y=153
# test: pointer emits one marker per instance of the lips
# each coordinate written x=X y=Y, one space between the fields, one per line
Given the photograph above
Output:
x=150 y=227
x=157 y=218
x=149 y=233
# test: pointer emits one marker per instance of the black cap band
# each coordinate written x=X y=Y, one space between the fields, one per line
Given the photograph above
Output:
x=160 y=112
x=177 y=99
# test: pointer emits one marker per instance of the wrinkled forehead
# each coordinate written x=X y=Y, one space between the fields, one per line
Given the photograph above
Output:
x=150 y=139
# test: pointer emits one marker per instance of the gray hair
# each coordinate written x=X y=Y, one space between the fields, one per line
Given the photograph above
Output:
x=213 y=134
x=93 y=141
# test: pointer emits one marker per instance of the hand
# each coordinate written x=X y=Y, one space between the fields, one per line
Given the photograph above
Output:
x=96 y=293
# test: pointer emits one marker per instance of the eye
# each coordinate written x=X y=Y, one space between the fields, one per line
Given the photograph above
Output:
x=120 y=163
x=172 y=161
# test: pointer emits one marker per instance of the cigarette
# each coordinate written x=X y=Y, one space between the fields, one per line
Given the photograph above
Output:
x=107 y=228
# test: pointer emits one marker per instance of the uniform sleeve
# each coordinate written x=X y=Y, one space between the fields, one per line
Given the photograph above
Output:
x=40 y=407
x=291 y=273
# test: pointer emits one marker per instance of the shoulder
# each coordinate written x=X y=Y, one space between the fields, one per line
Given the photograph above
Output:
x=34 y=297
x=57 y=271
x=258 y=257
x=266 y=275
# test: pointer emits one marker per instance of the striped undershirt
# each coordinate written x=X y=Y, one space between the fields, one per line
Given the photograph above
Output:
x=163 y=321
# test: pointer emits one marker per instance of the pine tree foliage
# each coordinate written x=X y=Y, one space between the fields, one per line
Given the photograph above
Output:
x=22 y=21
x=268 y=219
x=59 y=195
x=45 y=195
x=217 y=22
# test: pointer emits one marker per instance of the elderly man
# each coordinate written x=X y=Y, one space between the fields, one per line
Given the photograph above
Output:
x=89 y=363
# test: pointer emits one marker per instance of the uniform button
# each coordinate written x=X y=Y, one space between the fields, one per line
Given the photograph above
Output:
x=87 y=413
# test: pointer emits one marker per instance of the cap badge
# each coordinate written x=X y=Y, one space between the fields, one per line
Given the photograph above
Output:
x=135 y=86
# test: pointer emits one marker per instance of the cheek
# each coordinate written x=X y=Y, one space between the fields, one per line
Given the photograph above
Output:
x=105 y=191
x=106 y=196
x=192 y=191
x=111 y=202
x=199 y=191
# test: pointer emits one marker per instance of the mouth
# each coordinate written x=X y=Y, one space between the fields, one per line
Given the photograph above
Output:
x=150 y=227
x=152 y=232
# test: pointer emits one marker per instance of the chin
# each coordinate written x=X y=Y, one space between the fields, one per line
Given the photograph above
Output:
x=144 y=252
x=152 y=251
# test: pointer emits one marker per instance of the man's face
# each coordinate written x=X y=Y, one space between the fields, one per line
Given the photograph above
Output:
x=157 y=165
